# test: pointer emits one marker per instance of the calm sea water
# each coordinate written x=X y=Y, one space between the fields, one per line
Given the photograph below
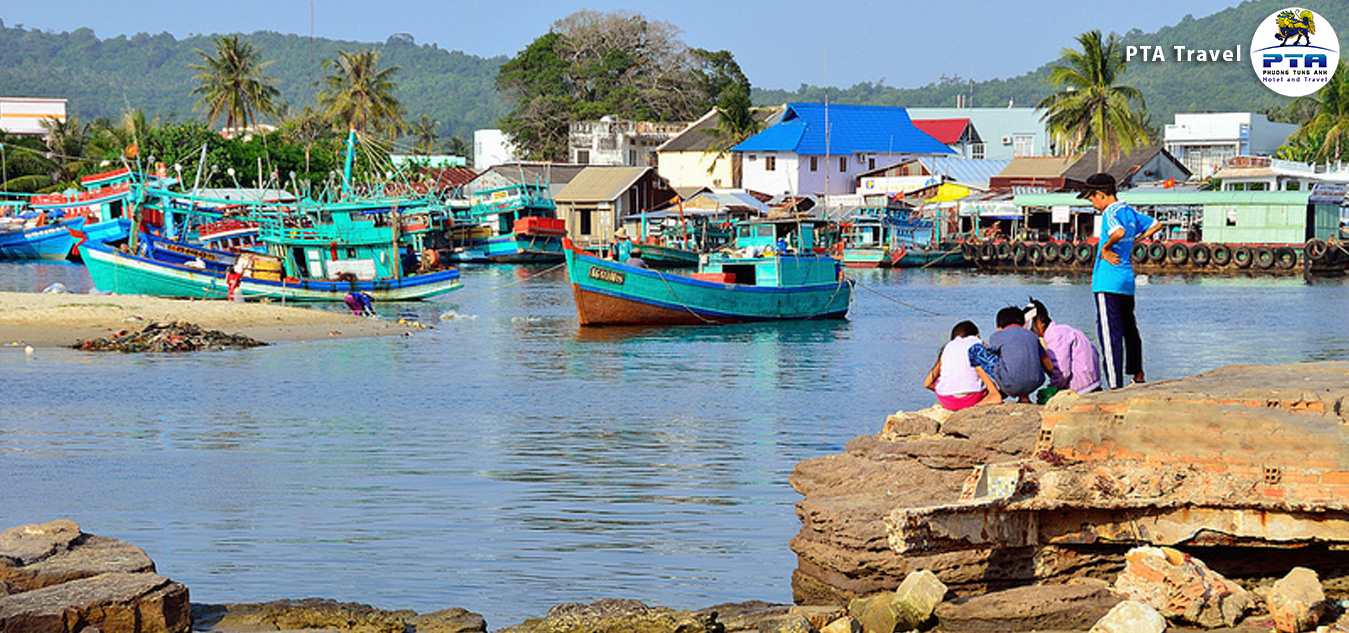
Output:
x=507 y=460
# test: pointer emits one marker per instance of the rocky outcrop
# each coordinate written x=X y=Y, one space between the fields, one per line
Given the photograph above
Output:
x=1247 y=467
x=631 y=616
x=310 y=613
x=1068 y=607
x=1182 y=588
x=56 y=579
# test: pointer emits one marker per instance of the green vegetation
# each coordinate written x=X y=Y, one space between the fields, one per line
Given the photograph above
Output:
x=1324 y=135
x=360 y=96
x=1091 y=109
x=231 y=83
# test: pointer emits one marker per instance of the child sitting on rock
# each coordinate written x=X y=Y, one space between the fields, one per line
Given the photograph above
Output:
x=1014 y=356
x=958 y=384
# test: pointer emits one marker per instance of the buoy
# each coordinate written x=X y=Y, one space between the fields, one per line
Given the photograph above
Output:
x=28 y=350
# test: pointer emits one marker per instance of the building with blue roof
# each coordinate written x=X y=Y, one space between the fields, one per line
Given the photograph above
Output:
x=797 y=157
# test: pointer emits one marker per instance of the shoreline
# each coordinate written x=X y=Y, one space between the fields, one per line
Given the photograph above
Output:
x=62 y=320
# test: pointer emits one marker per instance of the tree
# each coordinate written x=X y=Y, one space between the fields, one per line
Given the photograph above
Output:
x=232 y=83
x=1325 y=137
x=66 y=138
x=735 y=123
x=359 y=95
x=1090 y=108
x=425 y=133
x=459 y=147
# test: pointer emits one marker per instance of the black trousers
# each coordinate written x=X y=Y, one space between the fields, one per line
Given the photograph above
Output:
x=1116 y=328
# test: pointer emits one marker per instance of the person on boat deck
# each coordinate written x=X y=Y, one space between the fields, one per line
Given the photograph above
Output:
x=430 y=260
x=622 y=245
x=360 y=303
x=1014 y=356
x=409 y=261
x=635 y=259
x=958 y=384
x=1077 y=366
x=1112 y=279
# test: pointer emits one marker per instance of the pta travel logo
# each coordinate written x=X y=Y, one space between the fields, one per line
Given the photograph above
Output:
x=1295 y=52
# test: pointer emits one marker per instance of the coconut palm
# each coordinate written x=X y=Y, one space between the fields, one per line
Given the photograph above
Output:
x=232 y=83
x=1090 y=108
x=1326 y=135
x=360 y=96
x=66 y=139
x=426 y=135
x=736 y=121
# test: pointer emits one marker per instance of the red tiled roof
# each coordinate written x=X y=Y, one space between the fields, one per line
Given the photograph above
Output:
x=946 y=131
x=451 y=177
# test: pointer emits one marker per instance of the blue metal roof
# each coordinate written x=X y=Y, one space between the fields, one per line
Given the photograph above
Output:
x=852 y=129
x=971 y=171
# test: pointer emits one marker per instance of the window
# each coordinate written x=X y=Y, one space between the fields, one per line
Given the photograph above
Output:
x=871 y=163
x=1024 y=145
x=1292 y=185
x=770 y=163
x=583 y=156
x=977 y=150
x=843 y=163
x=814 y=163
x=584 y=216
x=632 y=157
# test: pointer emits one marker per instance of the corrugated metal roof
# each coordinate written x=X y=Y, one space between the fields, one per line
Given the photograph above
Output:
x=600 y=183
x=1122 y=168
x=970 y=171
x=1171 y=197
x=1037 y=166
x=699 y=135
x=851 y=129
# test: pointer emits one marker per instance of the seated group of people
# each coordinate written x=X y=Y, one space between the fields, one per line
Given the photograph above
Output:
x=1027 y=348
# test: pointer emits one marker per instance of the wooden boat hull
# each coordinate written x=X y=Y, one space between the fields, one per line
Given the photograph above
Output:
x=932 y=258
x=52 y=242
x=866 y=257
x=667 y=257
x=610 y=293
x=512 y=249
x=122 y=273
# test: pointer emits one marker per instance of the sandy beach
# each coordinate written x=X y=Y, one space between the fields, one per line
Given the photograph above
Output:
x=58 y=320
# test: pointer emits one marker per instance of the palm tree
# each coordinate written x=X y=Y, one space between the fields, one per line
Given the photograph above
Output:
x=66 y=139
x=360 y=96
x=1090 y=108
x=426 y=135
x=1326 y=135
x=735 y=123
x=232 y=83
x=459 y=147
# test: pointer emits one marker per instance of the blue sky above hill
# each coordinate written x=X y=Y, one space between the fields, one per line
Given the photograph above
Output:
x=779 y=44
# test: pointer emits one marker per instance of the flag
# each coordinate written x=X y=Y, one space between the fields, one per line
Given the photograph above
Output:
x=1169 y=183
x=133 y=150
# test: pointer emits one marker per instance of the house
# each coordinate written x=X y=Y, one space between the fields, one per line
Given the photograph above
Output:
x=688 y=159
x=611 y=141
x=555 y=175
x=796 y=157
x=1138 y=166
x=24 y=115
x=1007 y=133
x=1262 y=173
x=1204 y=142
x=491 y=148
x=595 y=202
x=957 y=134
x=1039 y=172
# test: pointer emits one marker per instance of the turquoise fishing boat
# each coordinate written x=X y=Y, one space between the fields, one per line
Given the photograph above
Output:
x=775 y=274
x=516 y=224
x=38 y=227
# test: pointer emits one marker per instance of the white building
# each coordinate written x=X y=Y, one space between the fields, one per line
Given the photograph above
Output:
x=492 y=148
x=611 y=141
x=1204 y=142
x=24 y=115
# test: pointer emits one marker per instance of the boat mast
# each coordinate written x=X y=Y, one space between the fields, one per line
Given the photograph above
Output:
x=346 y=166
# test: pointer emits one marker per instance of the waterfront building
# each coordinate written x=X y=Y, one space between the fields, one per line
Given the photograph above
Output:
x=595 y=202
x=1042 y=173
x=1006 y=133
x=919 y=173
x=688 y=159
x=797 y=157
x=1204 y=142
x=554 y=175
x=24 y=115
x=611 y=141
x=1262 y=173
x=957 y=134
x=491 y=148
x=1138 y=166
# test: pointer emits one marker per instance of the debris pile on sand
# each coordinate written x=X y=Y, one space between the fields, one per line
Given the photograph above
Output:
x=168 y=336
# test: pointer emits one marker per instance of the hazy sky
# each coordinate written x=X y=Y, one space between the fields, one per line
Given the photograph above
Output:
x=779 y=44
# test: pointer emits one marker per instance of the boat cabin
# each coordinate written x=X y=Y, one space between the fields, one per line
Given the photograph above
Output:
x=778 y=253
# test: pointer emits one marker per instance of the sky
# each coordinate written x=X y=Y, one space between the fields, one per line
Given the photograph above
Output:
x=779 y=44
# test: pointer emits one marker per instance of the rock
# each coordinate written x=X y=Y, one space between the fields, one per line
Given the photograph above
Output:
x=310 y=613
x=819 y=616
x=786 y=623
x=845 y=624
x=28 y=544
x=742 y=616
x=1297 y=601
x=917 y=597
x=619 y=615
x=1130 y=617
x=1181 y=588
x=114 y=602
x=454 y=620
x=169 y=336
x=1070 y=607
x=905 y=424
x=85 y=556
x=875 y=613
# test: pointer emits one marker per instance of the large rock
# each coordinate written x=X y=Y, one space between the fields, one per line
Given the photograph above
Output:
x=453 y=620
x=1071 y=607
x=619 y=616
x=1297 y=601
x=1182 y=588
x=1130 y=617
x=56 y=579
x=310 y=613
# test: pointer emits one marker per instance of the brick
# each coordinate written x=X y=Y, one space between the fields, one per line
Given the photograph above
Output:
x=1335 y=477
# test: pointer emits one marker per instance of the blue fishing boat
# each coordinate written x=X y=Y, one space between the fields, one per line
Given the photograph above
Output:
x=515 y=224
x=774 y=275
x=37 y=228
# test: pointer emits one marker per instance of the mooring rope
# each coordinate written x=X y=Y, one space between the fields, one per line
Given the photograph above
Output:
x=907 y=305
x=514 y=283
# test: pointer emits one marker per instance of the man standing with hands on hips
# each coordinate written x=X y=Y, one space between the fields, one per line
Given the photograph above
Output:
x=1112 y=279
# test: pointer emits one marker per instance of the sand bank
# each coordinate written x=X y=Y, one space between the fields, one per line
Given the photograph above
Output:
x=55 y=320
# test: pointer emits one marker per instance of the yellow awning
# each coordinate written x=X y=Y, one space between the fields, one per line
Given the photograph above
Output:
x=948 y=192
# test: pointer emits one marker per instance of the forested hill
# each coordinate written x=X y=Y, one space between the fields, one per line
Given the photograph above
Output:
x=103 y=77
x=1167 y=87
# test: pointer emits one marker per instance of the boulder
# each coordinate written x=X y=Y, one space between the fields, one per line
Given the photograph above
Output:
x=55 y=578
x=1071 y=607
x=737 y=617
x=786 y=623
x=917 y=597
x=310 y=613
x=1182 y=588
x=1297 y=601
x=819 y=616
x=453 y=620
x=1130 y=617
x=845 y=624
x=619 y=615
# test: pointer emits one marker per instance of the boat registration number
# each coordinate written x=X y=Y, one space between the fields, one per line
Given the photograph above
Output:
x=604 y=274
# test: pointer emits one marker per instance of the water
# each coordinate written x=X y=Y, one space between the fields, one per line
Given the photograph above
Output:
x=507 y=461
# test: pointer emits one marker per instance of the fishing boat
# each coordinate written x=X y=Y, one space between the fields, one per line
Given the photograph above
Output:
x=868 y=241
x=38 y=228
x=515 y=224
x=775 y=274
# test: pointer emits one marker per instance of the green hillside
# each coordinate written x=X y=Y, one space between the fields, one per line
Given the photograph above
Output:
x=1167 y=87
x=102 y=77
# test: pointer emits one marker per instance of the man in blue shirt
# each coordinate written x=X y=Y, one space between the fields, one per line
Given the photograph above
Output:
x=1112 y=280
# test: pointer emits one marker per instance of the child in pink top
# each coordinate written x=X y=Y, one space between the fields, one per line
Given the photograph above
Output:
x=958 y=384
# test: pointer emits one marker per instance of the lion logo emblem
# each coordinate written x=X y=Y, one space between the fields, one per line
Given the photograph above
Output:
x=1293 y=27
